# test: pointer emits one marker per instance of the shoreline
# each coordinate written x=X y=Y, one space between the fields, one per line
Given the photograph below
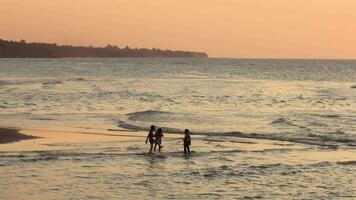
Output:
x=59 y=138
x=15 y=134
x=11 y=135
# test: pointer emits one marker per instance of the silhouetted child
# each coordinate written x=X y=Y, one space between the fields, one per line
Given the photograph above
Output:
x=159 y=136
x=151 y=137
x=187 y=141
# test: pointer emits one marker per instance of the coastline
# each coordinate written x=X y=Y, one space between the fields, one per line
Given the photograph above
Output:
x=22 y=49
x=10 y=135
x=60 y=138
x=109 y=158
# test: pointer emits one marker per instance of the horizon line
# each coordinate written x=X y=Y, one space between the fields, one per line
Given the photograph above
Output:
x=196 y=51
x=282 y=58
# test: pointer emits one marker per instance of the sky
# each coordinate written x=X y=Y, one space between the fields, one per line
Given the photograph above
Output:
x=222 y=28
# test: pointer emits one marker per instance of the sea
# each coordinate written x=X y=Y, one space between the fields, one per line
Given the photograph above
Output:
x=261 y=128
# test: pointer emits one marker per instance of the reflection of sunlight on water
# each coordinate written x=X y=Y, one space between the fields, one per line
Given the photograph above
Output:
x=309 y=102
x=113 y=168
x=257 y=93
x=219 y=106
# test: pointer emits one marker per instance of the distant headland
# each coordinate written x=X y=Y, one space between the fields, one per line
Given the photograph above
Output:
x=23 y=49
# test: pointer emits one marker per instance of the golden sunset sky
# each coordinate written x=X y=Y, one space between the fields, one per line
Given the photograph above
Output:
x=222 y=28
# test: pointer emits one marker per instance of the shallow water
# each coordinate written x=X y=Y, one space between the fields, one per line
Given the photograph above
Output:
x=223 y=167
x=268 y=129
x=306 y=99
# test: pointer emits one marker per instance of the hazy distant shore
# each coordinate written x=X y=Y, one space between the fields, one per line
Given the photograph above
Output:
x=22 y=49
x=8 y=135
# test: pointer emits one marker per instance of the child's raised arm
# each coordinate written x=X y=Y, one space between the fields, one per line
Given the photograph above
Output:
x=147 y=137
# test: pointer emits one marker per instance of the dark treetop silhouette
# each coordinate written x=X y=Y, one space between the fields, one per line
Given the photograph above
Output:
x=22 y=49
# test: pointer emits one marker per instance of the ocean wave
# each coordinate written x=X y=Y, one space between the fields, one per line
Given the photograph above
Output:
x=47 y=83
x=317 y=123
x=78 y=79
x=266 y=166
x=153 y=115
x=164 y=117
x=144 y=95
x=328 y=140
x=42 y=118
x=125 y=125
x=254 y=169
x=18 y=82
x=282 y=121
x=338 y=132
x=327 y=115
x=352 y=162
x=44 y=158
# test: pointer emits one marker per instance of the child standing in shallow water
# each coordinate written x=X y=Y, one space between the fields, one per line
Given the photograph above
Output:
x=159 y=136
x=187 y=141
x=150 y=137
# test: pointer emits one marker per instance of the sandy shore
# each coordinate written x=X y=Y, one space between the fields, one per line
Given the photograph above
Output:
x=8 y=135
x=54 y=138
x=67 y=161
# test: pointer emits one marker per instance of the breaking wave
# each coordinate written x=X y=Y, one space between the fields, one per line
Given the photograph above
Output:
x=327 y=115
x=52 y=83
x=163 y=117
x=352 y=162
x=152 y=115
x=282 y=121
x=133 y=127
x=329 y=140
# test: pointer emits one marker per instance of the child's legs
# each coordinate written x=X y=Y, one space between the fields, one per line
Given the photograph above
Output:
x=188 y=148
x=185 y=149
x=158 y=142
x=151 y=147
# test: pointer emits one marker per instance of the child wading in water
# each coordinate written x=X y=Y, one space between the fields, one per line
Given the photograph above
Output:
x=150 y=137
x=159 y=136
x=187 y=141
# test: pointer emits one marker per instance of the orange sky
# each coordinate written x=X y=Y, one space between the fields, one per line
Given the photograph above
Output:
x=222 y=28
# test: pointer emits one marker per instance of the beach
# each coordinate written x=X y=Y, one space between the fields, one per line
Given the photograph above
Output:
x=12 y=135
x=116 y=164
x=177 y=100
x=261 y=129
x=47 y=139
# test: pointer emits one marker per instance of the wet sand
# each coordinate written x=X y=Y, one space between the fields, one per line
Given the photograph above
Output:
x=8 y=135
x=57 y=138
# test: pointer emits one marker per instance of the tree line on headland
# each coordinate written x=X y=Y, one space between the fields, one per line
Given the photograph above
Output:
x=23 y=49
